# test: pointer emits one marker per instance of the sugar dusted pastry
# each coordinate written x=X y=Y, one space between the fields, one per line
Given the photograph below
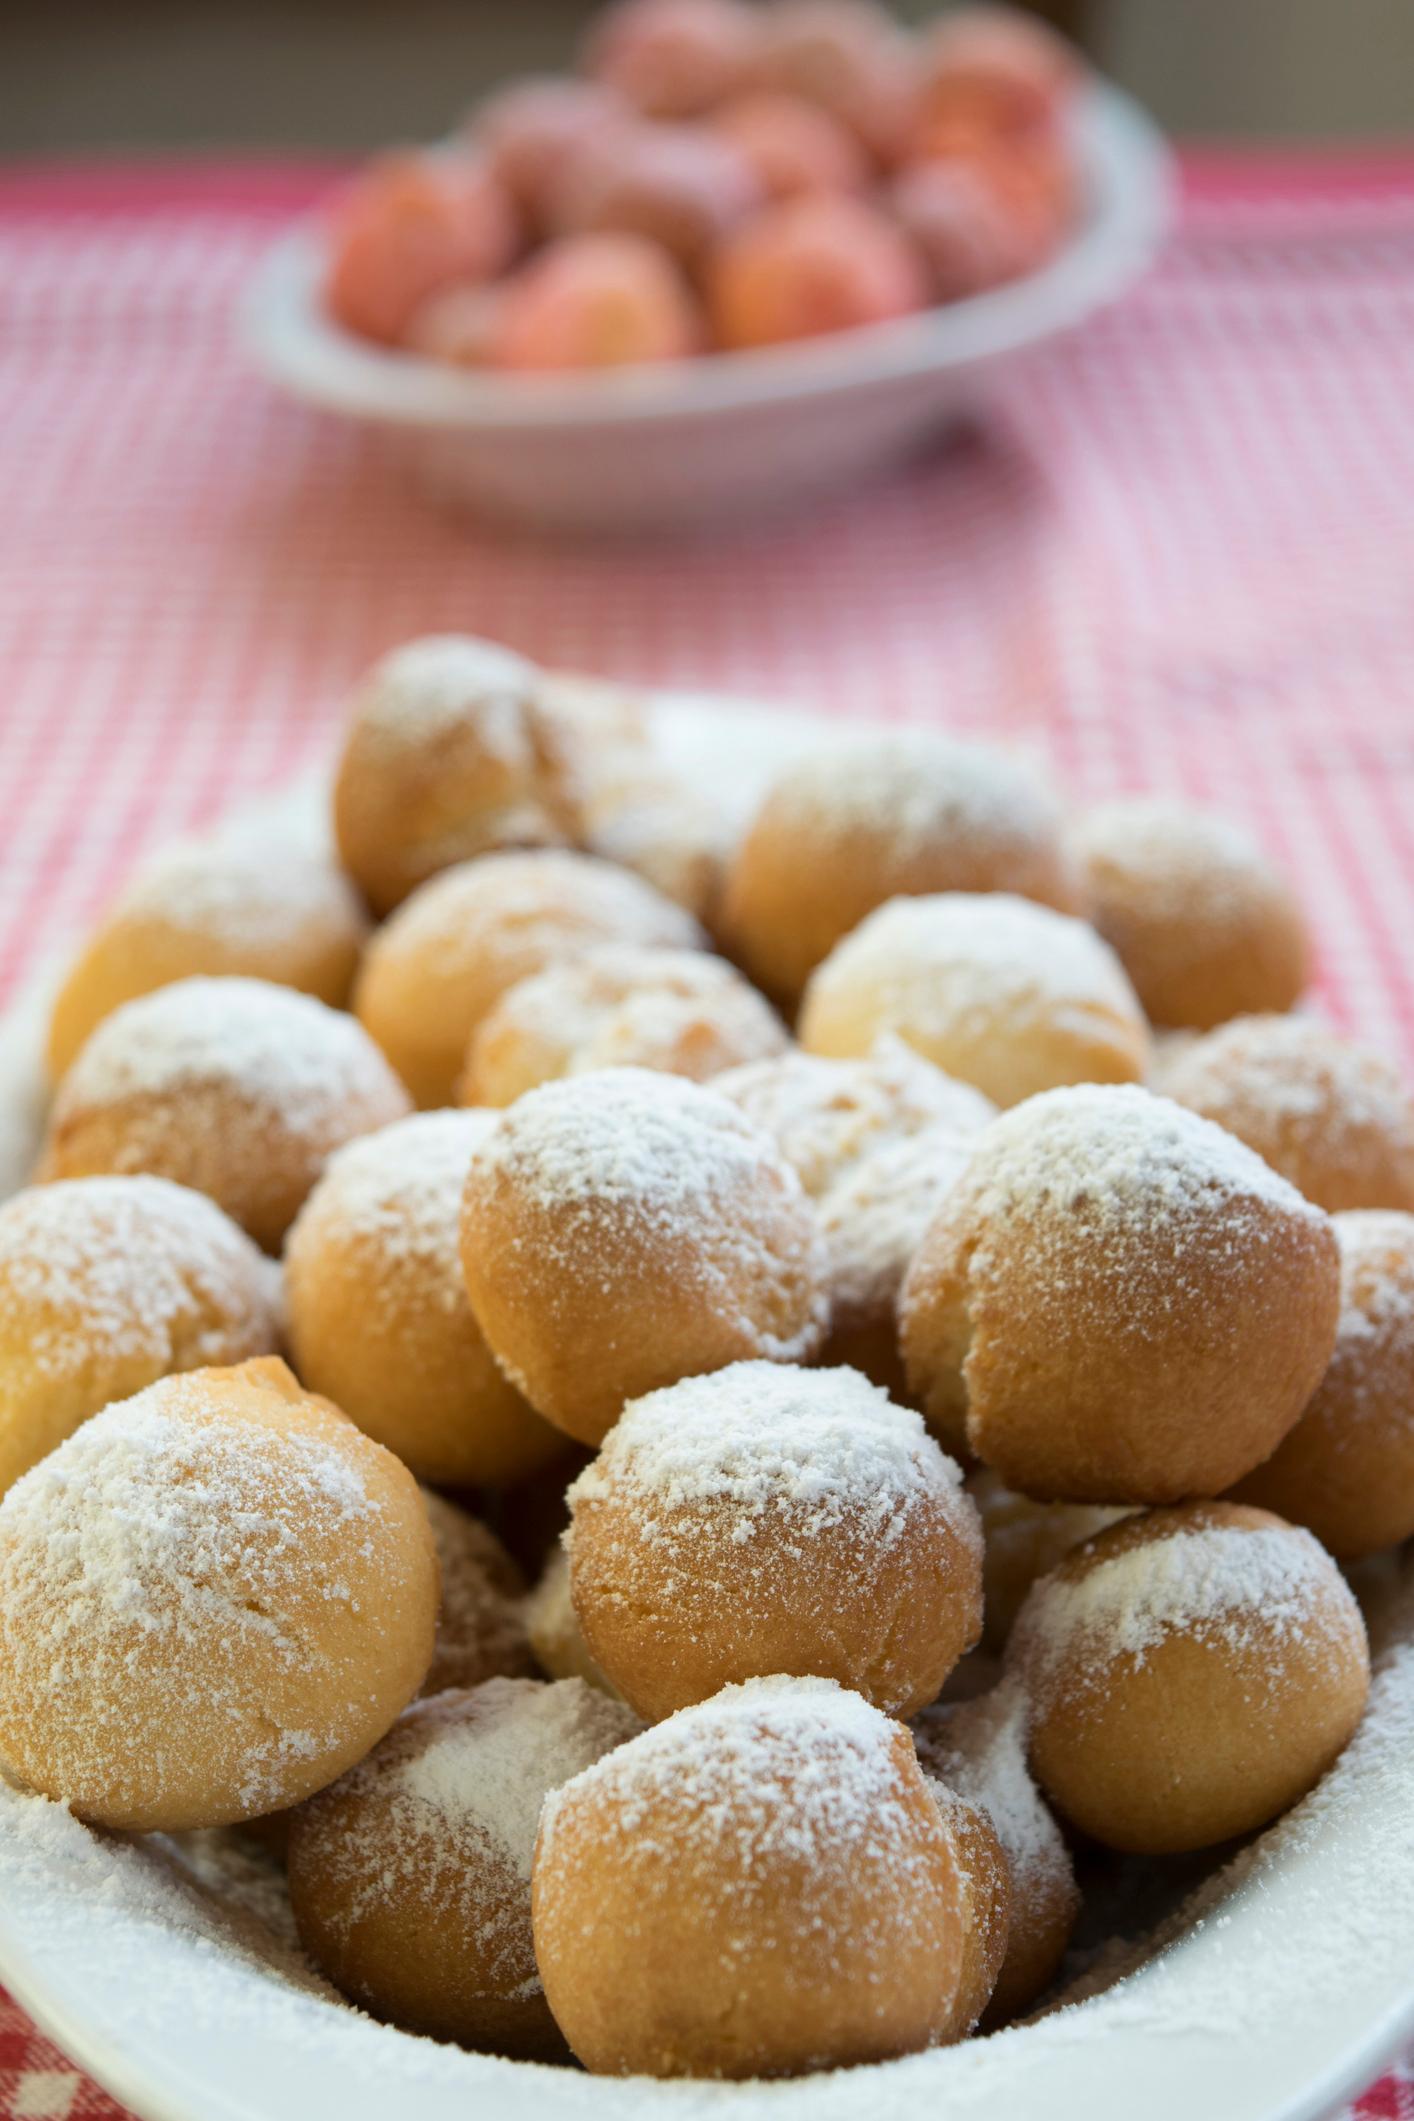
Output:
x=1118 y=1302
x=449 y=954
x=214 y=1598
x=556 y=1637
x=410 y=1878
x=1191 y=1673
x=1023 y=1540
x=1204 y=925
x=480 y=1629
x=856 y=823
x=1006 y=994
x=761 y=1885
x=107 y=1284
x=378 y=1313
x=619 y=1005
x=1333 y=1117
x=235 y=1087
x=626 y=1229
x=984 y=1876
x=672 y=58
x=258 y=903
x=768 y=1519
x=1347 y=1468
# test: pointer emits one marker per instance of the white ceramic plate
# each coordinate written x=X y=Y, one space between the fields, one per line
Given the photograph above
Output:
x=728 y=434
x=1282 y=1997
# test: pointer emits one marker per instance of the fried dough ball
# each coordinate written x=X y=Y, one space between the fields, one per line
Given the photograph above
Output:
x=448 y=955
x=410 y=1878
x=681 y=188
x=1006 y=994
x=873 y=1222
x=1022 y=1540
x=985 y=1880
x=237 y=1088
x=760 y=1886
x=827 y=1116
x=378 y=1316
x=856 y=823
x=1192 y=1672
x=107 y=1284
x=1333 y=1117
x=481 y=1632
x=975 y=234
x=978 y=1750
x=530 y=129
x=214 y=1598
x=810 y=266
x=795 y=148
x=1118 y=1302
x=619 y=1006
x=409 y=225
x=440 y=763
x=552 y=1624
x=993 y=71
x=1347 y=1468
x=1204 y=925
x=256 y=903
x=672 y=58
x=626 y=1229
x=767 y=1519
x=609 y=298
x=847 y=56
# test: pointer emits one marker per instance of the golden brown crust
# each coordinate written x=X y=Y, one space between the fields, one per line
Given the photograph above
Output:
x=1347 y=1468
x=1118 y=1303
x=1205 y=927
x=447 y=956
x=1192 y=1673
x=214 y=1598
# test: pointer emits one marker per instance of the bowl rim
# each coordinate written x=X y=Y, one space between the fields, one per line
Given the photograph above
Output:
x=1130 y=182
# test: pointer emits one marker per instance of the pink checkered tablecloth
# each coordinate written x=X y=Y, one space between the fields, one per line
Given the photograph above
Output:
x=1181 y=556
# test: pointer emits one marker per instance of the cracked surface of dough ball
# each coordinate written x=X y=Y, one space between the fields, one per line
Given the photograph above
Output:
x=235 y=1087
x=626 y=1229
x=1192 y=1673
x=978 y=1749
x=255 y=903
x=826 y=1115
x=1333 y=1117
x=768 y=1519
x=1003 y=993
x=410 y=1878
x=681 y=1011
x=378 y=1314
x=448 y=955
x=440 y=763
x=1346 y=1470
x=107 y=1284
x=759 y=1886
x=855 y=824
x=1118 y=1302
x=1204 y=925
x=480 y=1628
x=214 y=1598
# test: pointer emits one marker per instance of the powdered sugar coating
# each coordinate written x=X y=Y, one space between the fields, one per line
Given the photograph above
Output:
x=1004 y=992
x=780 y=1452
x=825 y=1114
x=99 y=1274
x=1197 y=865
x=257 y=890
x=619 y=1005
x=1334 y=1118
x=978 y=1748
x=876 y=1217
x=435 y=686
x=180 y=1587
x=918 y=790
x=1243 y=1590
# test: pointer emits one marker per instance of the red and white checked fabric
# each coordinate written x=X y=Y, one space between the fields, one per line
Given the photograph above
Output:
x=1180 y=556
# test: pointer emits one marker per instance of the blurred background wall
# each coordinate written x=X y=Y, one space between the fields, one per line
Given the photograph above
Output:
x=354 y=73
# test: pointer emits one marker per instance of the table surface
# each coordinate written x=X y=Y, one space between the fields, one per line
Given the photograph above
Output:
x=1180 y=555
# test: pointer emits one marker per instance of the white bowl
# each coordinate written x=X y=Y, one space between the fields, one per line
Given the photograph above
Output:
x=728 y=435
x=1284 y=1995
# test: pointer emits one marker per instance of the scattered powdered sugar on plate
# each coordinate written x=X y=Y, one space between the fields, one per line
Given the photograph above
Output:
x=825 y=1114
x=1219 y=1583
x=98 y=1271
x=276 y=1048
x=804 y=1451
